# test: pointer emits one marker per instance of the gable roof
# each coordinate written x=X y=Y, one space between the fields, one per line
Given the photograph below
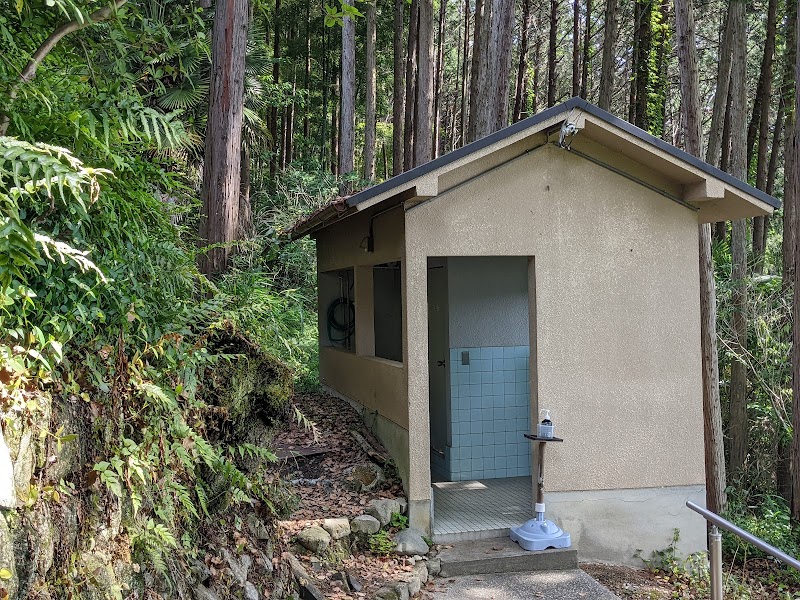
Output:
x=716 y=195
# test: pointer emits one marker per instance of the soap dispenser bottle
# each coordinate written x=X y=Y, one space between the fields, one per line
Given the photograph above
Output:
x=545 y=429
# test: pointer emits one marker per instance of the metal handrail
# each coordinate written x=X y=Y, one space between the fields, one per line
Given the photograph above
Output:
x=746 y=536
x=715 y=546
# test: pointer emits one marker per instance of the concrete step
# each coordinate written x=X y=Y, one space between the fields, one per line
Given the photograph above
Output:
x=501 y=555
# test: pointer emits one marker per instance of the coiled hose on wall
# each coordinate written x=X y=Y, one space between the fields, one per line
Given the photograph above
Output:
x=337 y=330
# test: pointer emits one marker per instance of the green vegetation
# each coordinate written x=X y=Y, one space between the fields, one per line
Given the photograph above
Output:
x=137 y=394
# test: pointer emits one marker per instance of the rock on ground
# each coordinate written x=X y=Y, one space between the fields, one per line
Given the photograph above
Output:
x=393 y=591
x=410 y=543
x=314 y=539
x=240 y=568
x=365 y=477
x=337 y=528
x=365 y=524
x=309 y=591
x=201 y=592
x=383 y=509
x=250 y=591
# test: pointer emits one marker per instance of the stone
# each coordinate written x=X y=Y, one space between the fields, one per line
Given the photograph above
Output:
x=365 y=525
x=383 y=510
x=354 y=583
x=200 y=571
x=308 y=590
x=364 y=477
x=421 y=570
x=263 y=563
x=393 y=591
x=239 y=567
x=337 y=528
x=201 y=592
x=340 y=578
x=434 y=566
x=414 y=584
x=410 y=542
x=314 y=539
x=403 y=505
x=250 y=591
x=256 y=527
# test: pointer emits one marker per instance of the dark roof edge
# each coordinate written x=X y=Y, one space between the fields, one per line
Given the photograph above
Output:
x=461 y=152
x=536 y=119
x=676 y=152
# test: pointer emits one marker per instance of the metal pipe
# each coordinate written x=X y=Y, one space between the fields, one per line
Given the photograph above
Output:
x=715 y=519
x=715 y=558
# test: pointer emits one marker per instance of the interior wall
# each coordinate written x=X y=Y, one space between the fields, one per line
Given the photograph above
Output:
x=332 y=286
x=488 y=301
x=388 y=323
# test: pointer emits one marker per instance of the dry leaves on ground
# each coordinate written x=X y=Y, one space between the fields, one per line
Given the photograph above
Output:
x=319 y=481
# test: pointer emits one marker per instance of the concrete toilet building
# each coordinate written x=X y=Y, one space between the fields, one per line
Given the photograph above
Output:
x=552 y=264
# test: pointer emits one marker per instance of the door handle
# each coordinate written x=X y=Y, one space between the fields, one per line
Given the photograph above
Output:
x=439 y=363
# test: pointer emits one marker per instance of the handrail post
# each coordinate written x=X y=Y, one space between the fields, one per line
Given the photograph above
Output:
x=715 y=557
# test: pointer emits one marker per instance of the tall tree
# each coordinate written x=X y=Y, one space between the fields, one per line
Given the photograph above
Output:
x=608 y=66
x=576 y=48
x=398 y=98
x=642 y=45
x=479 y=70
x=347 y=100
x=793 y=192
x=219 y=221
x=712 y=413
x=790 y=199
x=439 y=93
x=276 y=76
x=489 y=109
x=462 y=132
x=587 y=47
x=552 y=61
x=411 y=87
x=761 y=112
x=719 y=110
x=500 y=48
x=522 y=69
x=738 y=168
x=369 y=96
x=424 y=107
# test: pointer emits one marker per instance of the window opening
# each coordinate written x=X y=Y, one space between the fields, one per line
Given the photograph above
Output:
x=340 y=316
x=387 y=290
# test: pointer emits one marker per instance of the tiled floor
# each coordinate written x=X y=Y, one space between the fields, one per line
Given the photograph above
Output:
x=469 y=510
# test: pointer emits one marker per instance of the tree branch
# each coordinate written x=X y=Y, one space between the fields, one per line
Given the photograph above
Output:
x=29 y=72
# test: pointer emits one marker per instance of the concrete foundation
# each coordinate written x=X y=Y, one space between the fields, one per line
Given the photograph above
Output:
x=502 y=556
x=612 y=526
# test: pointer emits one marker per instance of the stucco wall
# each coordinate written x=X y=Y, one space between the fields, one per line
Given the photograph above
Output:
x=377 y=384
x=617 y=314
x=488 y=301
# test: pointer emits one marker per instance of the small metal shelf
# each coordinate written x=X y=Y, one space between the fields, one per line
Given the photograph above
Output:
x=536 y=438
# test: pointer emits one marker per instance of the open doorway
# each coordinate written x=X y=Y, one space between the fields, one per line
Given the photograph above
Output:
x=480 y=392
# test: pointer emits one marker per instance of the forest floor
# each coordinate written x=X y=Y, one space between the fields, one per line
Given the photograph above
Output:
x=754 y=579
x=322 y=458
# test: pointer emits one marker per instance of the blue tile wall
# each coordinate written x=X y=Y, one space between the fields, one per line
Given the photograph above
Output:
x=490 y=412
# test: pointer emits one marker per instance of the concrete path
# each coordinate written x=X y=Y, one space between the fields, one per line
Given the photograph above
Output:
x=542 y=585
